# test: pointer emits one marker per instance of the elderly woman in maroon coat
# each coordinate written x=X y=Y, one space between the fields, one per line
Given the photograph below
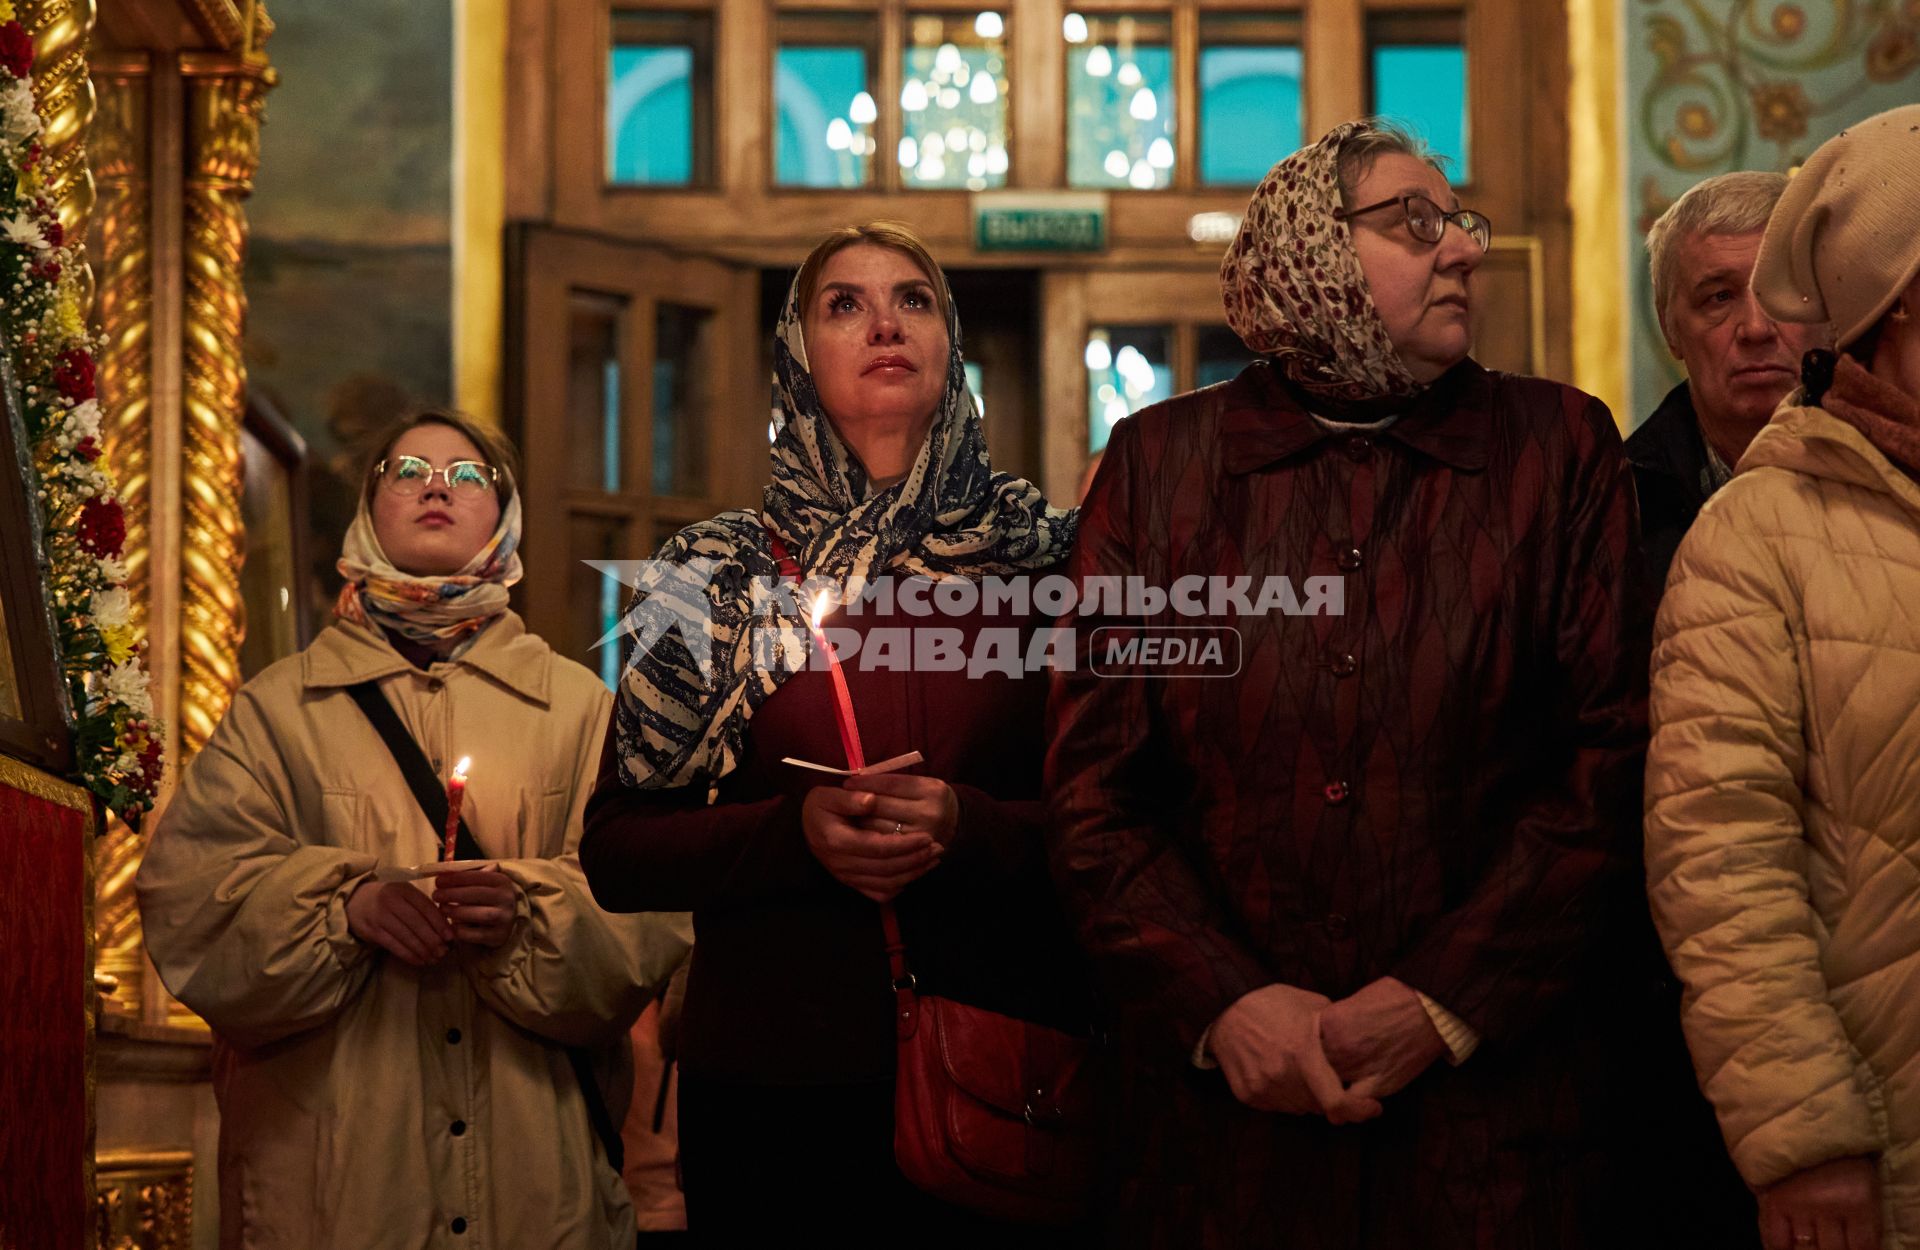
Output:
x=1350 y=899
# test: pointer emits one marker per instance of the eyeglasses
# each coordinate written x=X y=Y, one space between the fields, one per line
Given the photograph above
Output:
x=410 y=476
x=1427 y=222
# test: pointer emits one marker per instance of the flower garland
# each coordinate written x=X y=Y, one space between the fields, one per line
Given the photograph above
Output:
x=116 y=740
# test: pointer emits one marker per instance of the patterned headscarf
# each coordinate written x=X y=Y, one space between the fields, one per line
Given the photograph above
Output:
x=432 y=611
x=952 y=516
x=1294 y=289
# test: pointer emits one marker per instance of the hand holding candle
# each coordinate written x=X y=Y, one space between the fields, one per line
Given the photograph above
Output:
x=456 y=796
x=834 y=818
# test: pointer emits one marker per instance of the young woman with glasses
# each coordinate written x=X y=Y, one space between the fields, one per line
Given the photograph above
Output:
x=385 y=1053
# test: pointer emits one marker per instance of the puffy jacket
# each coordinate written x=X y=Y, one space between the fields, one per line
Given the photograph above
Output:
x=1783 y=805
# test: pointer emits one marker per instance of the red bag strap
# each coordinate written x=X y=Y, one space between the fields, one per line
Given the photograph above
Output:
x=897 y=967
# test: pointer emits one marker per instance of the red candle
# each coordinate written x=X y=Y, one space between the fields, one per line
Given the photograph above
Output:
x=843 y=699
x=456 y=794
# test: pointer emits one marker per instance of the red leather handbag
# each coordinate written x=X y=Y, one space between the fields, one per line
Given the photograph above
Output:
x=990 y=1112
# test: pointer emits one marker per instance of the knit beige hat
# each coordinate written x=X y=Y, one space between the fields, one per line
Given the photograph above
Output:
x=1844 y=241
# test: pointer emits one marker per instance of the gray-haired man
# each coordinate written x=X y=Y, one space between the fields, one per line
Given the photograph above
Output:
x=1740 y=362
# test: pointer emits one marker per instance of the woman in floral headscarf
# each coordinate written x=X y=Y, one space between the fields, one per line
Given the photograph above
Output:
x=880 y=474
x=384 y=1054
x=1349 y=895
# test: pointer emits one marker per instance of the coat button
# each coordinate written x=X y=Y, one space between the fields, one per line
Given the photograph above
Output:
x=1336 y=925
x=458 y=1128
x=434 y=684
x=1359 y=447
x=459 y=1224
x=453 y=1037
x=1351 y=559
x=1336 y=792
x=1343 y=665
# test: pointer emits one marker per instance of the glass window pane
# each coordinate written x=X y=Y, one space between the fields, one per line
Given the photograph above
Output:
x=680 y=401
x=977 y=383
x=595 y=602
x=1219 y=356
x=593 y=392
x=1419 y=66
x=1128 y=367
x=953 y=102
x=1119 y=102
x=1250 y=76
x=824 y=111
x=658 y=77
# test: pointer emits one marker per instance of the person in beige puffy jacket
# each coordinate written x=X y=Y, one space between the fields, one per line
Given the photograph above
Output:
x=391 y=1065
x=1783 y=780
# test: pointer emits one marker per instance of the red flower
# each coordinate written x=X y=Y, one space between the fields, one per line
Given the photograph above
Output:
x=74 y=375
x=47 y=271
x=103 y=528
x=87 y=449
x=56 y=234
x=150 y=762
x=16 y=50
x=32 y=157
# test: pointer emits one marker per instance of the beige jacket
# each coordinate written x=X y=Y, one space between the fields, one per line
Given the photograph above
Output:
x=366 y=1104
x=1783 y=806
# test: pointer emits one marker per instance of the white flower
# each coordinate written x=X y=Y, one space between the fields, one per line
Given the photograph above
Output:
x=19 y=119
x=22 y=229
x=127 y=683
x=112 y=570
x=89 y=479
x=83 y=421
x=111 y=608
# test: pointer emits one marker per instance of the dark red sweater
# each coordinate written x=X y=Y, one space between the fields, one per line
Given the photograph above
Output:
x=789 y=982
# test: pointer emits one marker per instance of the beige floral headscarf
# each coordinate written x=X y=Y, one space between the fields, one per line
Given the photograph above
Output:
x=1294 y=290
x=442 y=612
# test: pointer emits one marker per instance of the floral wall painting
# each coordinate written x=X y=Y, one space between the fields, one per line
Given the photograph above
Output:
x=1720 y=85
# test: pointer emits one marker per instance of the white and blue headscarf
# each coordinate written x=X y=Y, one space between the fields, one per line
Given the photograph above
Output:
x=952 y=516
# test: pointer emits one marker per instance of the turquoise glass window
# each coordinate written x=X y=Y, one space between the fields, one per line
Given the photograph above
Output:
x=1120 y=104
x=1128 y=367
x=1425 y=86
x=818 y=94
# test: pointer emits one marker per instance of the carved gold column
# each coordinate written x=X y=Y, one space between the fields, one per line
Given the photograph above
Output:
x=122 y=251
x=62 y=30
x=225 y=98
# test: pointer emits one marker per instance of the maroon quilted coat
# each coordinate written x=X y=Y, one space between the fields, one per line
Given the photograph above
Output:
x=1440 y=784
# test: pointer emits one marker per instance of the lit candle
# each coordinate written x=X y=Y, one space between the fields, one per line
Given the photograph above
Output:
x=843 y=700
x=456 y=794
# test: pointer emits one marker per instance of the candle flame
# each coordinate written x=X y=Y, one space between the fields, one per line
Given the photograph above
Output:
x=820 y=602
x=460 y=769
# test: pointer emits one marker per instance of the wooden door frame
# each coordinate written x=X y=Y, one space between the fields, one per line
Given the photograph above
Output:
x=546 y=267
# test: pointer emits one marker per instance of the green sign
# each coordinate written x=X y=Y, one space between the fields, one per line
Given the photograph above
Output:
x=1039 y=223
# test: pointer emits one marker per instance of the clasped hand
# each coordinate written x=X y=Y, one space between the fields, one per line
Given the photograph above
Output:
x=475 y=906
x=1831 y=1206
x=878 y=834
x=1290 y=1050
